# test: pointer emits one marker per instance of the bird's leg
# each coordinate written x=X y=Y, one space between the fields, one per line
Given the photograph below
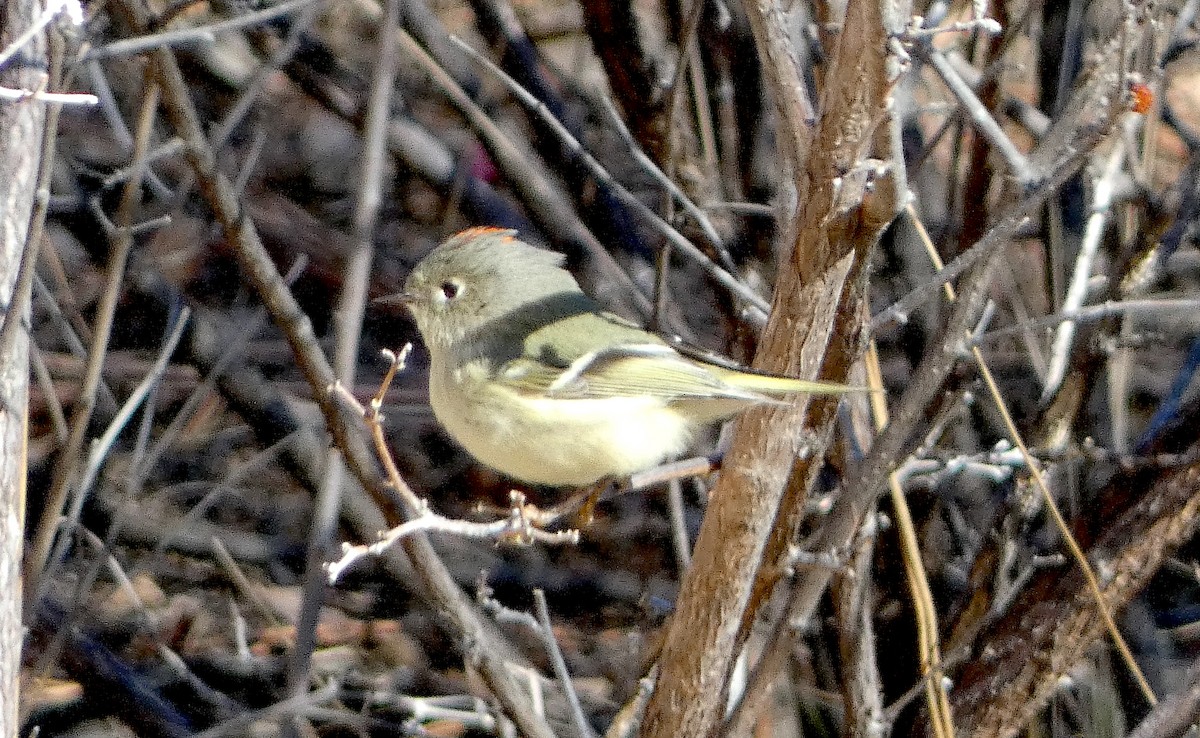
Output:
x=581 y=504
x=591 y=497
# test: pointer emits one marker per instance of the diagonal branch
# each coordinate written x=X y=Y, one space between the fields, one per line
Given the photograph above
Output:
x=262 y=274
x=814 y=330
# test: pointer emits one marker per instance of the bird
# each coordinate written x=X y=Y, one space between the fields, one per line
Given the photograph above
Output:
x=537 y=381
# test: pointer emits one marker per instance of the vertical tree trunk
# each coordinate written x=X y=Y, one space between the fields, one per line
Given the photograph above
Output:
x=21 y=130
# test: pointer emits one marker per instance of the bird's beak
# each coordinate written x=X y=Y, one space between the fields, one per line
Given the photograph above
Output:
x=396 y=298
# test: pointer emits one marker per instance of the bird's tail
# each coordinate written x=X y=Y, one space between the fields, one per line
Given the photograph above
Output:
x=773 y=384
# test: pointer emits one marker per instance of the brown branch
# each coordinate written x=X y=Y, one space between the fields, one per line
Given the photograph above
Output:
x=862 y=689
x=814 y=330
x=1052 y=627
x=613 y=29
x=1174 y=715
x=348 y=333
x=66 y=472
x=546 y=203
x=260 y=271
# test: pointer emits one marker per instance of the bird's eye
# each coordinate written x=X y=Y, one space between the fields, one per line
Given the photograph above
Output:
x=451 y=289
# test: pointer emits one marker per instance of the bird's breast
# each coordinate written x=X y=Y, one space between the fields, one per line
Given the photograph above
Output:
x=553 y=441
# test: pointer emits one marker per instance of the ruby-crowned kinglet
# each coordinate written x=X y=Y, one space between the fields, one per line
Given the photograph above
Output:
x=537 y=381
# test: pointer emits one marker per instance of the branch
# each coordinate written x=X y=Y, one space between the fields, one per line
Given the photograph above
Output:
x=815 y=322
x=260 y=271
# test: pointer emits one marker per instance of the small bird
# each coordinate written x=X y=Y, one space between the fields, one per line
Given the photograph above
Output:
x=537 y=381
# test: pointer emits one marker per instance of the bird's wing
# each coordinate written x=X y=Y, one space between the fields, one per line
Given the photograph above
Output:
x=649 y=370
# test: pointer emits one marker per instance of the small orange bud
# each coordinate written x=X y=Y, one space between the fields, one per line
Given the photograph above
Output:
x=1142 y=97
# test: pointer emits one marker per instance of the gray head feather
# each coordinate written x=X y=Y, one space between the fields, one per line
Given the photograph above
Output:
x=477 y=276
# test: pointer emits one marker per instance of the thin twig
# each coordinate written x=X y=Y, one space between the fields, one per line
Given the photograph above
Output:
x=201 y=34
x=540 y=196
x=1077 y=290
x=56 y=98
x=233 y=348
x=261 y=272
x=523 y=523
x=693 y=467
x=150 y=627
x=72 y=456
x=758 y=305
x=998 y=235
x=70 y=8
x=1068 y=538
x=58 y=419
x=681 y=542
x=69 y=524
x=659 y=176
x=47 y=302
x=116 y=123
x=979 y=115
x=103 y=445
x=347 y=335
x=231 y=481
x=560 y=665
x=1048 y=499
x=249 y=95
x=242 y=583
x=1099 y=311
x=928 y=638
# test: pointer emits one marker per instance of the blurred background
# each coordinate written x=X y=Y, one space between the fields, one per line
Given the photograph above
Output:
x=169 y=602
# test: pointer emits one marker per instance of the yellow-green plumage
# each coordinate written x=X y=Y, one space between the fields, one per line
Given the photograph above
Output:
x=536 y=381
